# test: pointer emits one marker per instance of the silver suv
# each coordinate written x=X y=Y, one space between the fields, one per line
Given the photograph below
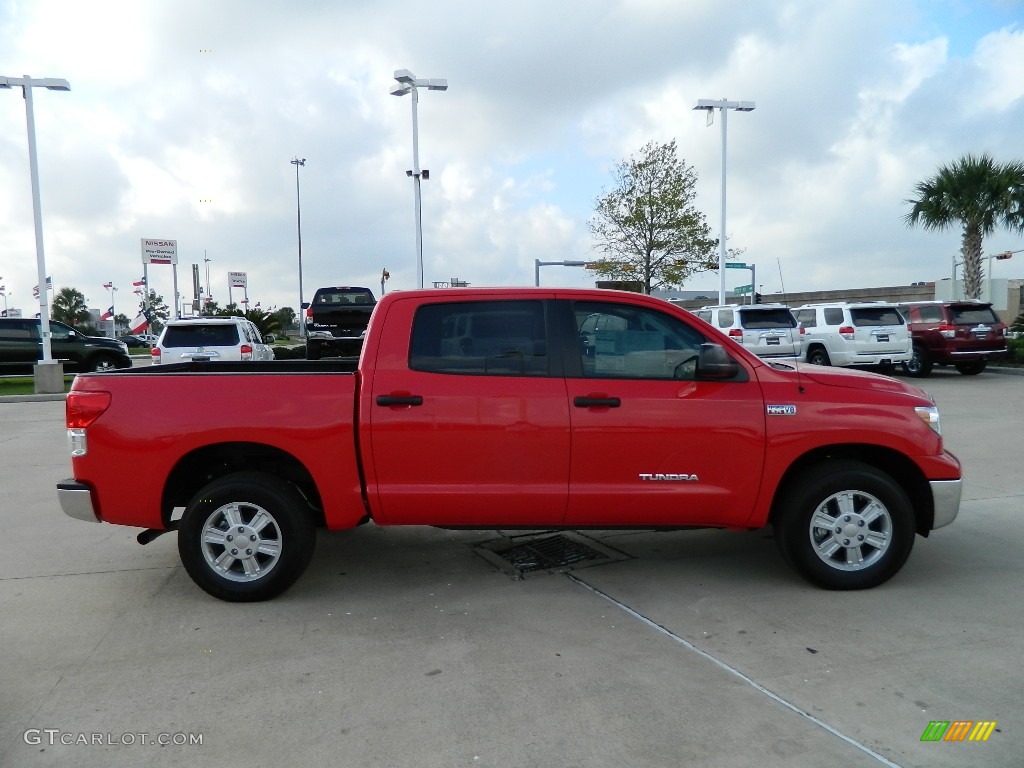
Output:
x=201 y=339
x=854 y=333
x=768 y=330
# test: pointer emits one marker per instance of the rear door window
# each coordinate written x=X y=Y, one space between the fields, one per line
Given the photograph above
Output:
x=492 y=338
x=874 y=316
x=833 y=315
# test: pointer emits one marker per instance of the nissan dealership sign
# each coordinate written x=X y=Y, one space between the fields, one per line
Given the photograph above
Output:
x=160 y=252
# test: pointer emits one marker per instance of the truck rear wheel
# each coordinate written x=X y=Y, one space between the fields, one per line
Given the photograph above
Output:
x=845 y=525
x=246 y=537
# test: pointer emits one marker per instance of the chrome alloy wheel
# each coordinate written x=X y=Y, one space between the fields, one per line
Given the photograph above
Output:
x=850 y=530
x=241 y=542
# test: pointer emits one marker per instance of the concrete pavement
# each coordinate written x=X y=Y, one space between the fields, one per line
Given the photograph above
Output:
x=403 y=647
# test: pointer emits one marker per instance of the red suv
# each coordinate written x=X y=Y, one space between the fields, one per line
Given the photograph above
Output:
x=965 y=333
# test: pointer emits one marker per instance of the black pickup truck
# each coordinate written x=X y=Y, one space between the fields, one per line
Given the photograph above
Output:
x=336 y=320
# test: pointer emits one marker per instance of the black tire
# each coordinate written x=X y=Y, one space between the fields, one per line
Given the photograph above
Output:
x=972 y=368
x=312 y=351
x=920 y=365
x=845 y=525
x=818 y=356
x=101 y=363
x=257 y=509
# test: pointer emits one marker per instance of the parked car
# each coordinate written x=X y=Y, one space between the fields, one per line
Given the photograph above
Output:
x=21 y=347
x=201 y=339
x=966 y=334
x=336 y=320
x=134 y=342
x=768 y=330
x=854 y=333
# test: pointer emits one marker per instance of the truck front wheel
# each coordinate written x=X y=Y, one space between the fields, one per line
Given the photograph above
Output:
x=845 y=525
x=246 y=537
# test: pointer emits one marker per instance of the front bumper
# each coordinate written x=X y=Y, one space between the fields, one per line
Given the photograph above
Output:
x=946 y=501
x=76 y=500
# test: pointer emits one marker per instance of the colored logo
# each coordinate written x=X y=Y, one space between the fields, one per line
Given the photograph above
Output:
x=959 y=730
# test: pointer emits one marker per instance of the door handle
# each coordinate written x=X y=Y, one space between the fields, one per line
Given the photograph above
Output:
x=399 y=400
x=596 y=402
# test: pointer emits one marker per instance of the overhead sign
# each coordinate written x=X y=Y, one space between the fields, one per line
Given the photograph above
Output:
x=736 y=265
x=740 y=290
x=159 y=251
x=237 y=279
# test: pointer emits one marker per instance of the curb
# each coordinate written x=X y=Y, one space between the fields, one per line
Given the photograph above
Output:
x=32 y=398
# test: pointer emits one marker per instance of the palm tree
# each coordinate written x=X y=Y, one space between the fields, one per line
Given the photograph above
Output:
x=978 y=194
x=69 y=307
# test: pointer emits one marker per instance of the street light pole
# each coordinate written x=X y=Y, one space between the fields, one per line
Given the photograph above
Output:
x=408 y=83
x=27 y=84
x=298 y=218
x=723 y=105
x=209 y=288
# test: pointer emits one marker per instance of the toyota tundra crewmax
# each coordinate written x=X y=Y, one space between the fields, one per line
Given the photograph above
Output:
x=512 y=409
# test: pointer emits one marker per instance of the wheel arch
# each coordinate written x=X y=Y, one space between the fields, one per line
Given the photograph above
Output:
x=203 y=465
x=893 y=463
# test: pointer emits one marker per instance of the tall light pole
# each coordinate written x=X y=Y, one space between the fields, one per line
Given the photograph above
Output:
x=724 y=105
x=298 y=218
x=209 y=288
x=408 y=83
x=27 y=84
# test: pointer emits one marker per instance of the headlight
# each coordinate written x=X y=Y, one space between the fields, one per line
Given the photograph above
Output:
x=930 y=416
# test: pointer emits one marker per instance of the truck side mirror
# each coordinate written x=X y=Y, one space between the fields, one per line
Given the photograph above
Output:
x=714 y=362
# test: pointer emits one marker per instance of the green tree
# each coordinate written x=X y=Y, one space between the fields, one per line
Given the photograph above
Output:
x=69 y=307
x=977 y=194
x=647 y=224
x=1017 y=326
x=265 y=320
x=121 y=323
x=286 y=317
x=158 y=311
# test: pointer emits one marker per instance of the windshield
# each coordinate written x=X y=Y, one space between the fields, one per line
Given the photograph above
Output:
x=768 y=318
x=220 y=335
x=343 y=297
x=971 y=315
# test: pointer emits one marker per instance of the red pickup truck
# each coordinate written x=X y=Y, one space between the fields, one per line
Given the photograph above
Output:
x=511 y=409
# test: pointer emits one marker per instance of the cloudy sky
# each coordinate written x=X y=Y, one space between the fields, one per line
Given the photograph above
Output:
x=184 y=115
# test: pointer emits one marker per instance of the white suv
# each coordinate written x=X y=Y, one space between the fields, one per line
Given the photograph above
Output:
x=201 y=339
x=854 y=333
x=768 y=330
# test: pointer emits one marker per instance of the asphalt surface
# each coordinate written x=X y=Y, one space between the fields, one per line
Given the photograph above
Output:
x=404 y=647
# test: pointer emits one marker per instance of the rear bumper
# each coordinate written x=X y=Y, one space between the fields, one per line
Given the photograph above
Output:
x=980 y=354
x=946 y=501
x=76 y=500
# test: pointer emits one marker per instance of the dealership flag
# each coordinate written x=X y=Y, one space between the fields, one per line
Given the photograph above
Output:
x=142 y=281
x=139 y=324
x=49 y=287
x=108 y=314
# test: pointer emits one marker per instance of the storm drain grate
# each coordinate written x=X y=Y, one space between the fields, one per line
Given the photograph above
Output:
x=546 y=553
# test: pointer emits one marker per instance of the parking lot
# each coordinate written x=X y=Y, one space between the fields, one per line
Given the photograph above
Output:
x=405 y=647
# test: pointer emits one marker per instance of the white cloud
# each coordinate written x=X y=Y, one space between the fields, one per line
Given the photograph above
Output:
x=178 y=102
